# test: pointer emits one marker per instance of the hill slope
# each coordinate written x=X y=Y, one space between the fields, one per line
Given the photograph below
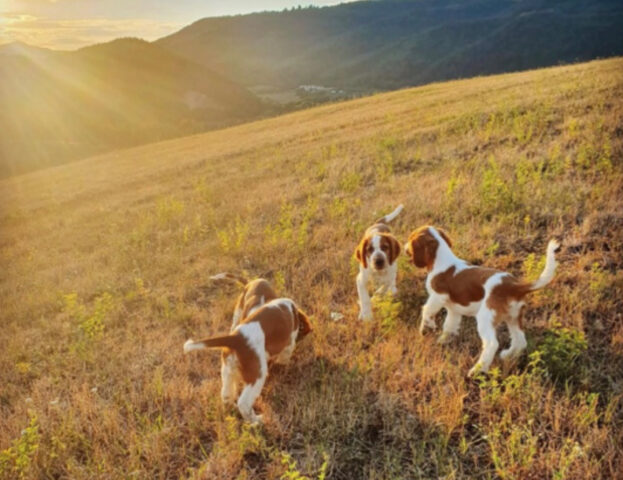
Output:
x=59 y=106
x=395 y=43
x=105 y=274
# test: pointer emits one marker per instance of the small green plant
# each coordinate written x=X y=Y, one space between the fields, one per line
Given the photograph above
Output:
x=234 y=236
x=560 y=350
x=338 y=208
x=283 y=229
x=385 y=159
x=15 y=461
x=454 y=183
x=492 y=248
x=279 y=281
x=573 y=127
x=204 y=190
x=90 y=324
x=167 y=209
x=291 y=228
x=350 y=182
x=598 y=283
x=513 y=448
x=388 y=309
x=292 y=472
x=532 y=267
x=495 y=191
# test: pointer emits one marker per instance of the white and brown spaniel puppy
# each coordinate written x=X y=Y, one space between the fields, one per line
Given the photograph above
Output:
x=490 y=295
x=377 y=253
x=255 y=294
x=270 y=332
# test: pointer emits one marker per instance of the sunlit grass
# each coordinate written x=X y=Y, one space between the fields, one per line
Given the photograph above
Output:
x=105 y=267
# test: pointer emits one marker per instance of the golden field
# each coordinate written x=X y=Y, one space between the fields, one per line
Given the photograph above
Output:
x=105 y=267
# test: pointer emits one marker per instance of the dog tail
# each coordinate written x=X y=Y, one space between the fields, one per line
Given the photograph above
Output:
x=550 y=266
x=227 y=341
x=230 y=277
x=390 y=216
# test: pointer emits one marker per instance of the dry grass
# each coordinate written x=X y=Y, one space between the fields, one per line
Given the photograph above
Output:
x=104 y=276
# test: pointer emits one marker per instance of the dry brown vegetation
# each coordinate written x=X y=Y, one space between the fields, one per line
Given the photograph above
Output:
x=105 y=267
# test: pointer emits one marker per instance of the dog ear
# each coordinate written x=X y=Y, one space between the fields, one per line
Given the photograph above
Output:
x=304 y=323
x=445 y=236
x=419 y=251
x=360 y=252
x=423 y=248
x=394 y=250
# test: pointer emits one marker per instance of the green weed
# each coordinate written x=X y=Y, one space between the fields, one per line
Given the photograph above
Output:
x=561 y=350
x=388 y=309
x=91 y=324
x=15 y=461
x=233 y=237
x=292 y=472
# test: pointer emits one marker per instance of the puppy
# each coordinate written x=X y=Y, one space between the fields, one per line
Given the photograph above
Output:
x=377 y=253
x=271 y=332
x=255 y=294
x=490 y=295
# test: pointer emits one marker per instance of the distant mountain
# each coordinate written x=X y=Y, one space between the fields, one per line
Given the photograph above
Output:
x=59 y=106
x=23 y=49
x=388 y=44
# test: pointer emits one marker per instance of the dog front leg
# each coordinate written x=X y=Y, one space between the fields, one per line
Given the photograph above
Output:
x=429 y=310
x=229 y=378
x=250 y=392
x=365 y=305
x=451 y=326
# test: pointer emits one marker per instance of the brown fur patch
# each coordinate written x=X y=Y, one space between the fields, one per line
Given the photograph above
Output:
x=423 y=246
x=464 y=287
x=277 y=322
x=249 y=362
x=445 y=236
x=390 y=246
x=361 y=251
x=252 y=295
x=511 y=289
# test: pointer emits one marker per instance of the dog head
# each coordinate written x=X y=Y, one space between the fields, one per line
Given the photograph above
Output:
x=423 y=244
x=379 y=250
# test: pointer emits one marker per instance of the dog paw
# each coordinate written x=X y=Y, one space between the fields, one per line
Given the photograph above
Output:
x=445 y=338
x=365 y=316
x=427 y=324
x=506 y=354
x=475 y=370
x=256 y=419
x=510 y=354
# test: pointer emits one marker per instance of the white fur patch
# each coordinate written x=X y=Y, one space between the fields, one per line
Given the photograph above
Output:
x=190 y=345
x=254 y=335
x=218 y=276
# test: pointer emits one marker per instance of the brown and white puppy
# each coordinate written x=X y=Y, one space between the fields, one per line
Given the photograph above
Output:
x=255 y=294
x=271 y=332
x=377 y=253
x=490 y=295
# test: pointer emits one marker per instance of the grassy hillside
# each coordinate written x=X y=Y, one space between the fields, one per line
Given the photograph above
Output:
x=371 y=45
x=105 y=267
x=61 y=106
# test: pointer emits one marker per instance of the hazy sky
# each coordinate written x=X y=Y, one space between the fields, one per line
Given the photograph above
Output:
x=69 y=24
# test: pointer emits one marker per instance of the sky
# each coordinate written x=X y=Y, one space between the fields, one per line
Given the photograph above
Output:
x=71 y=24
